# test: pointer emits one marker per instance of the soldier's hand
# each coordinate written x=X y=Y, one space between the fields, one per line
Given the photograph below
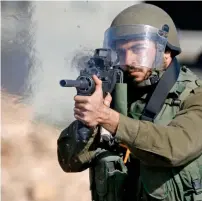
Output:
x=88 y=109
x=108 y=100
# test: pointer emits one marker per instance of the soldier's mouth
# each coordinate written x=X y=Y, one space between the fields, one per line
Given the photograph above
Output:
x=134 y=69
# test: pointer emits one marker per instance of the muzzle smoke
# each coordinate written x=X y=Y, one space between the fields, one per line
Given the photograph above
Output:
x=65 y=34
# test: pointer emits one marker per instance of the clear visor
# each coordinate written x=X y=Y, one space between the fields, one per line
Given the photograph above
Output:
x=137 y=45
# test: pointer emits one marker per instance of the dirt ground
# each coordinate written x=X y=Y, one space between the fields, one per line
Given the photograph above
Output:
x=30 y=171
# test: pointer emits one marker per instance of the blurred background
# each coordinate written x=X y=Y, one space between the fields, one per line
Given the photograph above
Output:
x=41 y=43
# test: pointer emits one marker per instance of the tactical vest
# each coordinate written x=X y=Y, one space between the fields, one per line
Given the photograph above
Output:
x=179 y=183
x=176 y=184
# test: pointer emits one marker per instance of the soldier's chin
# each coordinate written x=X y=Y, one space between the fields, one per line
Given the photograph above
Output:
x=138 y=76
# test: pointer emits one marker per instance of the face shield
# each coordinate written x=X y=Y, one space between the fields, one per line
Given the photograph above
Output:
x=137 y=46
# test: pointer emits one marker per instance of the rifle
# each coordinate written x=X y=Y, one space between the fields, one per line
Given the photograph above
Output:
x=103 y=65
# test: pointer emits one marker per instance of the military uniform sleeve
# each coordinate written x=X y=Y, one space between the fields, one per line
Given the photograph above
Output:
x=173 y=145
x=75 y=156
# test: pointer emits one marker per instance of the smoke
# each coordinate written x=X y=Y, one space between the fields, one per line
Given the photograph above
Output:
x=65 y=34
x=16 y=43
x=44 y=42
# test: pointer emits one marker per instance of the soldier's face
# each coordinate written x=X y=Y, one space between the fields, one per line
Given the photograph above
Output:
x=137 y=58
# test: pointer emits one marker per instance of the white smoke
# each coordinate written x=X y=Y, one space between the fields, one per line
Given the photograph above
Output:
x=63 y=30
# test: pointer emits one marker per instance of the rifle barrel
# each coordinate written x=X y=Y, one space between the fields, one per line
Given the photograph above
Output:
x=82 y=84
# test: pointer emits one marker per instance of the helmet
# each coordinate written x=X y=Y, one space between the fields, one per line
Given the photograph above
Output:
x=144 y=22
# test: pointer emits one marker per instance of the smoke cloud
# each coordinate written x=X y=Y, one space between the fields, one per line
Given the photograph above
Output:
x=65 y=34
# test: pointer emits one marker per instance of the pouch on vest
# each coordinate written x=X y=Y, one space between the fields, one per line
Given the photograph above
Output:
x=189 y=179
x=107 y=177
x=180 y=184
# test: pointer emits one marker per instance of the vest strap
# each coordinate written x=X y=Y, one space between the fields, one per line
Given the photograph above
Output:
x=161 y=91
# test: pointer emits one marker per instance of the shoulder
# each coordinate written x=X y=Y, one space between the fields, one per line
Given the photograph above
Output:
x=194 y=99
x=188 y=84
x=187 y=75
x=192 y=88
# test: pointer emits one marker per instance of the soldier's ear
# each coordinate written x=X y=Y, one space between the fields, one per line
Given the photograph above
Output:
x=167 y=58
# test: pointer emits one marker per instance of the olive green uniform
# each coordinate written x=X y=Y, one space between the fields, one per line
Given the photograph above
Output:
x=160 y=151
x=166 y=156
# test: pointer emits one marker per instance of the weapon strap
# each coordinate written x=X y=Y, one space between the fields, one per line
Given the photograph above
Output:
x=161 y=91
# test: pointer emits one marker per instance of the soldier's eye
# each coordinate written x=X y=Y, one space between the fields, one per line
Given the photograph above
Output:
x=138 y=49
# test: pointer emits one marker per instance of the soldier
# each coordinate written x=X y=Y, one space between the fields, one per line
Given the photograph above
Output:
x=162 y=126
